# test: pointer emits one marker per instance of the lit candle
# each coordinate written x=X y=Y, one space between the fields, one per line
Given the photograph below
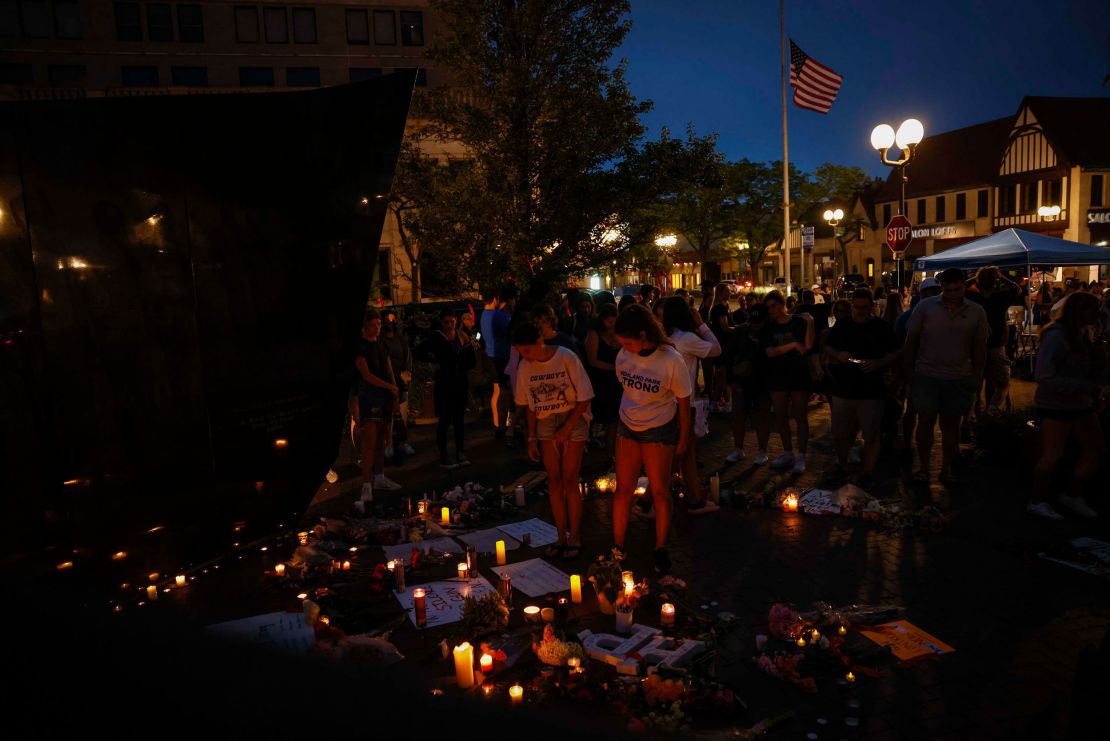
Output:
x=640 y=491
x=576 y=589
x=629 y=582
x=815 y=635
x=842 y=630
x=302 y=538
x=486 y=664
x=531 y=614
x=421 y=610
x=790 y=504
x=850 y=677
x=346 y=565
x=547 y=614
x=152 y=592
x=280 y=569
x=602 y=485
x=464 y=665
x=180 y=580
x=516 y=692
x=714 y=488
x=281 y=443
x=445 y=516
x=422 y=507
x=464 y=572
x=666 y=615
x=801 y=642
x=574 y=663
x=153 y=576
x=500 y=546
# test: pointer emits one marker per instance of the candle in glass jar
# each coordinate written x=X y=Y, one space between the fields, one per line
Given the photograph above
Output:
x=279 y=569
x=464 y=665
x=516 y=692
x=422 y=507
x=842 y=630
x=500 y=547
x=346 y=565
x=547 y=614
x=790 y=504
x=602 y=485
x=302 y=538
x=531 y=614
x=152 y=592
x=815 y=635
x=666 y=615
x=445 y=516
x=850 y=677
x=464 y=572
x=576 y=589
x=421 y=609
x=574 y=663
x=629 y=582
x=486 y=664
x=179 y=580
x=715 y=488
x=801 y=642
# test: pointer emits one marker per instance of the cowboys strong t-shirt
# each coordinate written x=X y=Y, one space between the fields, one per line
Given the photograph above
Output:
x=651 y=386
x=553 y=387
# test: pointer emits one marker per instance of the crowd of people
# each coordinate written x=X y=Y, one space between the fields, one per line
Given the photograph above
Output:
x=578 y=370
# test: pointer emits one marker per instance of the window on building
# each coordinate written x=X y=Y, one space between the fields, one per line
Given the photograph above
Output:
x=67 y=19
x=983 y=204
x=920 y=210
x=190 y=24
x=302 y=76
x=15 y=74
x=385 y=27
x=159 y=22
x=886 y=214
x=9 y=18
x=358 y=27
x=1007 y=200
x=139 y=76
x=940 y=214
x=304 y=25
x=1096 y=190
x=412 y=28
x=129 y=25
x=961 y=206
x=358 y=74
x=256 y=76
x=37 y=23
x=190 y=76
x=68 y=75
x=1028 y=198
x=276 y=22
x=1052 y=193
x=246 y=24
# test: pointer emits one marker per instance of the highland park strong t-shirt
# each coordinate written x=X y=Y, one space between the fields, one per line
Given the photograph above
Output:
x=652 y=384
x=554 y=387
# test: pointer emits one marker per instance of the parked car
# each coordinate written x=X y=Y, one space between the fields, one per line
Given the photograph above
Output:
x=779 y=284
x=847 y=283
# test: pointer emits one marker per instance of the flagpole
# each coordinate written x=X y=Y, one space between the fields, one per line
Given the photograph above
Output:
x=785 y=161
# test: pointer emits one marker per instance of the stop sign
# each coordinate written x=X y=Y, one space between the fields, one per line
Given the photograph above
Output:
x=899 y=233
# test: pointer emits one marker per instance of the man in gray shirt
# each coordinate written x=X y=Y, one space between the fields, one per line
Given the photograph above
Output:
x=946 y=351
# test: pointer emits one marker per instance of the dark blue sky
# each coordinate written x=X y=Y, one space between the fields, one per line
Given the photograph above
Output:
x=716 y=63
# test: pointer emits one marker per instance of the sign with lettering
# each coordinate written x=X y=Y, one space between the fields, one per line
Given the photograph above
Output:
x=807 y=237
x=443 y=600
x=899 y=234
x=1098 y=216
x=945 y=231
x=906 y=640
x=282 y=631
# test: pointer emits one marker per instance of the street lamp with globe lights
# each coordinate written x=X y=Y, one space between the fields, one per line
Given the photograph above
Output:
x=834 y=217
x=1048 y=212
x=908 y=136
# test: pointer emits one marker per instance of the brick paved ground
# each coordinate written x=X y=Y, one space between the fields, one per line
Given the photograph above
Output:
x=1030 y=636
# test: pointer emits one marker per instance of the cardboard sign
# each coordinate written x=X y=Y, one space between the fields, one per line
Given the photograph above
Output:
x=284 y=631
x=404 y=550
x=535 y=577
x=906 y=640
x=542 y=533
x=443 y=600
x=820 y=502
x=485 y=540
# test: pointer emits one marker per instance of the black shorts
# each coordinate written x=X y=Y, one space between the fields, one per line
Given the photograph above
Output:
x=499 y=372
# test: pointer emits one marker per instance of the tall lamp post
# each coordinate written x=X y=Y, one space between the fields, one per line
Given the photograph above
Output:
x=909 y=135
x=834 y=218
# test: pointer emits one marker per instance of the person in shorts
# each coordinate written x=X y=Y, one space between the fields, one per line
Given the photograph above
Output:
x=377 y=397
x=744 y=360
x=946 y=352
x=552 y=384
x=787 y=339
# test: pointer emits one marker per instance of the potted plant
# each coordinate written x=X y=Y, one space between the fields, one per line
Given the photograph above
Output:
x=605 y=575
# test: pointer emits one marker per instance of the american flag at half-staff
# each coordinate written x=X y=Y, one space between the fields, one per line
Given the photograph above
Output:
x=815 y=85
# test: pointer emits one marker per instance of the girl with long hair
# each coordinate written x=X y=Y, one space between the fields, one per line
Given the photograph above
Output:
x=654 y=422
x=377 y=397
x=1069 y=369
x=786 y=340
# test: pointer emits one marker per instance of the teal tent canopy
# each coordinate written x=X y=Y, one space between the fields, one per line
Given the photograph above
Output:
x=1014 y=248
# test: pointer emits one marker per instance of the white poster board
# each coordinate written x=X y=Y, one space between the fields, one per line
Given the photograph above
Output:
x=443 y=600
x=404 y=550
x=485 y=540
x=542 y=533
x=535 y=577
x=284 y=631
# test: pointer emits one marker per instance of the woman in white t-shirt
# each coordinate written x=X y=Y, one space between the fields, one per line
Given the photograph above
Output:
x=694 y=340
x=654 y=422
x=552 y=384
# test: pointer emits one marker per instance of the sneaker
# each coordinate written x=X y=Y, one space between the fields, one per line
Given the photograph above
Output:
x=735 y=456
x=463 y=460
x=408 y=450
x=799 y=463
x=1078 y=505
x=1043 y=509
x=702 y=508
x=786 y=460
x=662 y=561
x=760 y=458
x=367 y=494
x=447 y=463
x=388 y=484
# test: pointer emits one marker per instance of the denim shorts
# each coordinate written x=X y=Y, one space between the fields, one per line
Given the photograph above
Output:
x=664 y=434
x=546 y=427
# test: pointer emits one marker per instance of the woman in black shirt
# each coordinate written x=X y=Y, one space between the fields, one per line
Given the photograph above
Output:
x=786 y=340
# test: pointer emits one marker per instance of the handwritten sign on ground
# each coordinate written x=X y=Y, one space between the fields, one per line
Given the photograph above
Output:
x=484 y=540
x=535 y=577
x=906 y=640
x=283 y=631
x=443 y=600
x=542 y=533
x=1085 y=554
x=439 y=545
x=820 y=502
